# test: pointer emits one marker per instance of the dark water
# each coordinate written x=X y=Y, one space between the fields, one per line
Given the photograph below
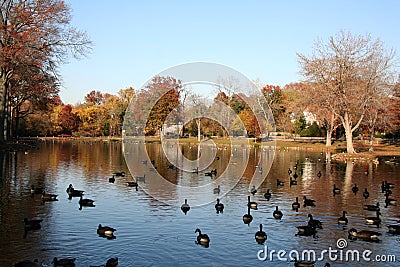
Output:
x=151 y=233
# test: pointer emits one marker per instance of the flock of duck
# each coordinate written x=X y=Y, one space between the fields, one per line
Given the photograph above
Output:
x=310 y=229
x=102 y=231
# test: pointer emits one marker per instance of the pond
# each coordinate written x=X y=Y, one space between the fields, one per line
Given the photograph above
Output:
x=153 y=231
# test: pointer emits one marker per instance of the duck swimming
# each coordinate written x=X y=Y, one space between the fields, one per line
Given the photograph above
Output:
x=202 y=239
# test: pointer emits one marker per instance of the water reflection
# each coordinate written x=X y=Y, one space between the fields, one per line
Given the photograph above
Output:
x=151 y=233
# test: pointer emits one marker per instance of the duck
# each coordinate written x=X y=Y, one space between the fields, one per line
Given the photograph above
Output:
x=308 y=202
x=293 y=182
x=277 y=213
x=106 y=231
x=37 y=189
x=279 y=182
x=185 y=207
x=33 y=224
x=374 y=220
x=49 y=197
x=366 y=193
x=394 y=229
x=202 y=239
x=306 y=230
x=343 y=219
x=267 y=194
x=335 y=190
x=86 y=202
x=314 y=223
x=247 y=218
x=251 y=204
x=253 y=190
x=217 y=190
x=372 y=207
x=260 y=235
x=119 y=174
x=319 y=174
x=219 y=206
x=65 y=262
x=355 y=189
x=366 y=235
x=296 y=204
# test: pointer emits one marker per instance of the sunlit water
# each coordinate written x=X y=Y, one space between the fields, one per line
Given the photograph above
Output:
x=151 y=233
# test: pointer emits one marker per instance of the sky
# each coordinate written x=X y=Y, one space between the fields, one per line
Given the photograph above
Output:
x=135 y=40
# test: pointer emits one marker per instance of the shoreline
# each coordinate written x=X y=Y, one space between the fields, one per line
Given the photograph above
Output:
x=381 y=150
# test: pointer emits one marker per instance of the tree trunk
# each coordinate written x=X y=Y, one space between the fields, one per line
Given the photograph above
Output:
x=3 y=93
x=328 y=138
x=349 y=134
x=198 y=123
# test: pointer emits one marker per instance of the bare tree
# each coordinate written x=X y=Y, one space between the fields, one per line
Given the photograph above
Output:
x=350 y=71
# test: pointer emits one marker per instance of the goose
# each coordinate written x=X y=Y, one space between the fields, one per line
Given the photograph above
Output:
x=253 y=190
x=202 y=239
x=292 y=182
x=196 y=170
x=394 y=229
x=306 y=230
x=73 y=192
x=132 y=184
x=364 y=234
x=331 y=170
x=141 y=178
x=366 y=193
x=308 y=202
x=105 y=231
x=372 y=207
x=86 y=202
x=267 y=194
x=217 y=190
x=219 y=206
x=366 y=172
x=355 y=189
x=319 y=174
x=303 y=263
x=335 y=190
x=260 y=236
x=185 y=207
x=374 y=220
x=112 y=262
x=289 y=171
x=49 y=197
x=390 y=201
x=37 y=189
x=314 y=223
x=119 y=174
x=247 y=218
x=277 y=214
x=343 y=219
x=279 y=182
x=296 y=204
x=66 y=262
x=111 y=179
x=251 y=204
x=295 y=175
x=32 y=224
x=209 y=173
x=214 y=172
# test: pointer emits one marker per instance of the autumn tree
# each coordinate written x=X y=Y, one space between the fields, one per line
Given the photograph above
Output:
x=352 y=71
x=35 y=35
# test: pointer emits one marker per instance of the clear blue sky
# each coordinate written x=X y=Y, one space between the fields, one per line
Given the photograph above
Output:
x=134 y=40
